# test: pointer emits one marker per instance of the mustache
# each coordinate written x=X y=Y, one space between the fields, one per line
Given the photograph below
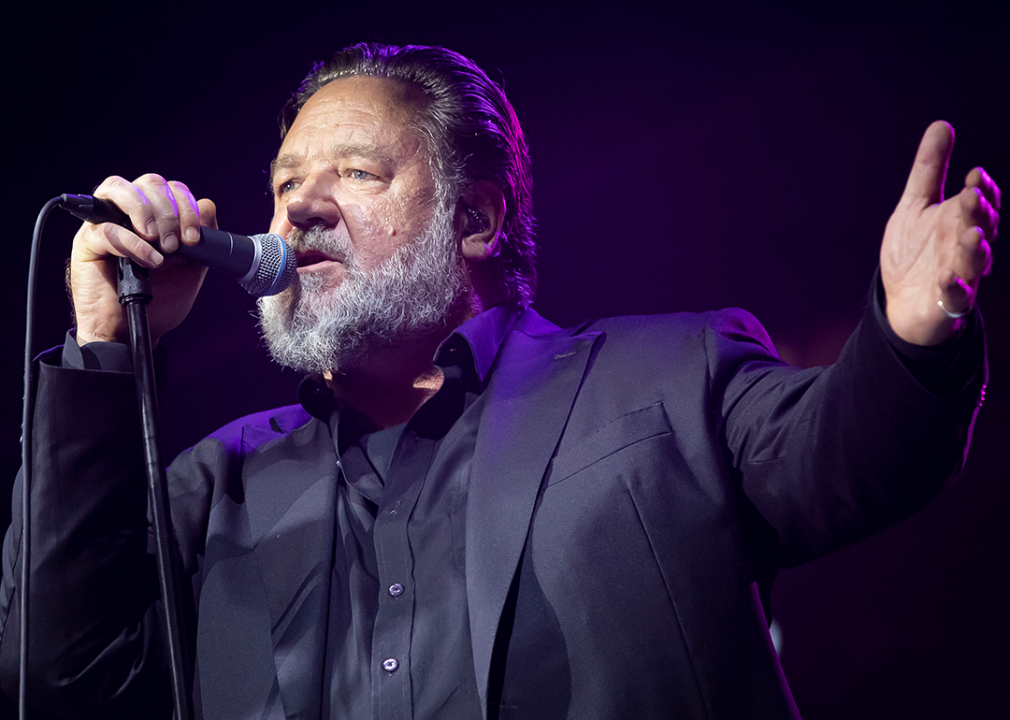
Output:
x=325 y=241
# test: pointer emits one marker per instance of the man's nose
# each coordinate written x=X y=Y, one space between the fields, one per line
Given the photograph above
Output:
x=313 y=204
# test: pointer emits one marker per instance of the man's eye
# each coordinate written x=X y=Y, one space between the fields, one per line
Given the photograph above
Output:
x=360 y=175
x=286 y=187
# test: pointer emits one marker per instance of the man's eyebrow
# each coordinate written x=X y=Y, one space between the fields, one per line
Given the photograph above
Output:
x=368 y=151
x=283 y=161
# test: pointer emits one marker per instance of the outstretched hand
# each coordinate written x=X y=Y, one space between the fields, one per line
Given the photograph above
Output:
x=935 y=252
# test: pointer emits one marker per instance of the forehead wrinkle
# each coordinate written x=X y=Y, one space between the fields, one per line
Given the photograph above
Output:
x=368 y=151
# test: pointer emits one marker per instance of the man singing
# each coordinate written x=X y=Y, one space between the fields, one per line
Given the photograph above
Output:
x=473 y=513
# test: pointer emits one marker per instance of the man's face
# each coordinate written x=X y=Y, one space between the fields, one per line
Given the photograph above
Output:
x=355 y=197
x=351 y=162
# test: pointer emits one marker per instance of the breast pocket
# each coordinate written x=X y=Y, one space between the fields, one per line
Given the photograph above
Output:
x=617 y=435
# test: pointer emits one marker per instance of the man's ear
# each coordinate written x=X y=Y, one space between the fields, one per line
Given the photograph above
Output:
x=480 y=213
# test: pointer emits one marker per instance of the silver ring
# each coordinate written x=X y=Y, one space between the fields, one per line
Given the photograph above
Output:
x=952 y=315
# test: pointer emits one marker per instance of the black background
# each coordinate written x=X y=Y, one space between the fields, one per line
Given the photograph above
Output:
x=685 y=158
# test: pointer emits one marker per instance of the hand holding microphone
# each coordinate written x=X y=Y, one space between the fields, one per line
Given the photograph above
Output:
x=262 y=264
x=149 y=221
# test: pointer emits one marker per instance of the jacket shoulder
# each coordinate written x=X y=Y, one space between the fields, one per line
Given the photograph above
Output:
x=719 y=333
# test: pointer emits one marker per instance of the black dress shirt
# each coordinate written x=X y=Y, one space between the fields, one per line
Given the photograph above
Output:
x=398 y=638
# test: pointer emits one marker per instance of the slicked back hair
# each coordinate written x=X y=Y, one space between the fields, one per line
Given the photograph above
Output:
x=472 y=134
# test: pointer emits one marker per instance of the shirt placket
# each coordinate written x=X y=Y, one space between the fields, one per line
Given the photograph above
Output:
x=391 y=691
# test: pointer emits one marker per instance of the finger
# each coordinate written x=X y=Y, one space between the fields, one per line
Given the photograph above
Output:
x=929 y=171
x=97 y=242
x=165 y=209
x=972 y=256
x=189 y=212
x=133 y=201
x=976 y=211
x=208 y=213
x=978 y=177
x=956 y=296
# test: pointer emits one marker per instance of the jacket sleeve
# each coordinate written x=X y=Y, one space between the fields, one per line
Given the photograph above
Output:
x=95 y=642
x=829 y=456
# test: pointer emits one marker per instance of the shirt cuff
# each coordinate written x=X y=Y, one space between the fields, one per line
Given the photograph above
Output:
x=108 y=356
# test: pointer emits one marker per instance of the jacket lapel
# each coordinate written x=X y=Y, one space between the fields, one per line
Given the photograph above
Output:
x=539 y=372
x=290 y=494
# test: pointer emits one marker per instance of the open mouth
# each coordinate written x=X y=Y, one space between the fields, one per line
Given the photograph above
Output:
x=312 y=257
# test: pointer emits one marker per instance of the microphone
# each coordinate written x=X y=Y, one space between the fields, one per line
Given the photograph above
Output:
x=262 y=264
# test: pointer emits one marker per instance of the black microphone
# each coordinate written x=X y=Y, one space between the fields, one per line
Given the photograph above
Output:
x=262 y=264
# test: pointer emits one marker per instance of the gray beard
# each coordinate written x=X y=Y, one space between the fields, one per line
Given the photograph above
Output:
x=423 y=288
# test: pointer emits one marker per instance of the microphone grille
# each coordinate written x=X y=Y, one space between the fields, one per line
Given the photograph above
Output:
x=276 y=269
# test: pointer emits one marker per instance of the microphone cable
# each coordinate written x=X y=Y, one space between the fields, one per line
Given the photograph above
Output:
x=27 y=417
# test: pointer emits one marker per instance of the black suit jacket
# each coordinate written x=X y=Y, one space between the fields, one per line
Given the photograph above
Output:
x=635 y=483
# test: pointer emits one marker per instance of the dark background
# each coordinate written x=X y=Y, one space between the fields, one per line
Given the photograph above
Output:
x=685 y=159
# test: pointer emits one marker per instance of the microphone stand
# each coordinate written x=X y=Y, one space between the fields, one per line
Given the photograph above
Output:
x=134 y=295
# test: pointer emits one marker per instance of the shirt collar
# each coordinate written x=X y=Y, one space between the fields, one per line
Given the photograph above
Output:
x=482 y=336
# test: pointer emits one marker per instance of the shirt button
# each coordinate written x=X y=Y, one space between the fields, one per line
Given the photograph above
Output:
x=390 y=664
x=396 y=589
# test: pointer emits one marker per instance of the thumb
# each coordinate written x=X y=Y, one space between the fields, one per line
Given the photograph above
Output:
x=208 y=213
x=929 y=171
